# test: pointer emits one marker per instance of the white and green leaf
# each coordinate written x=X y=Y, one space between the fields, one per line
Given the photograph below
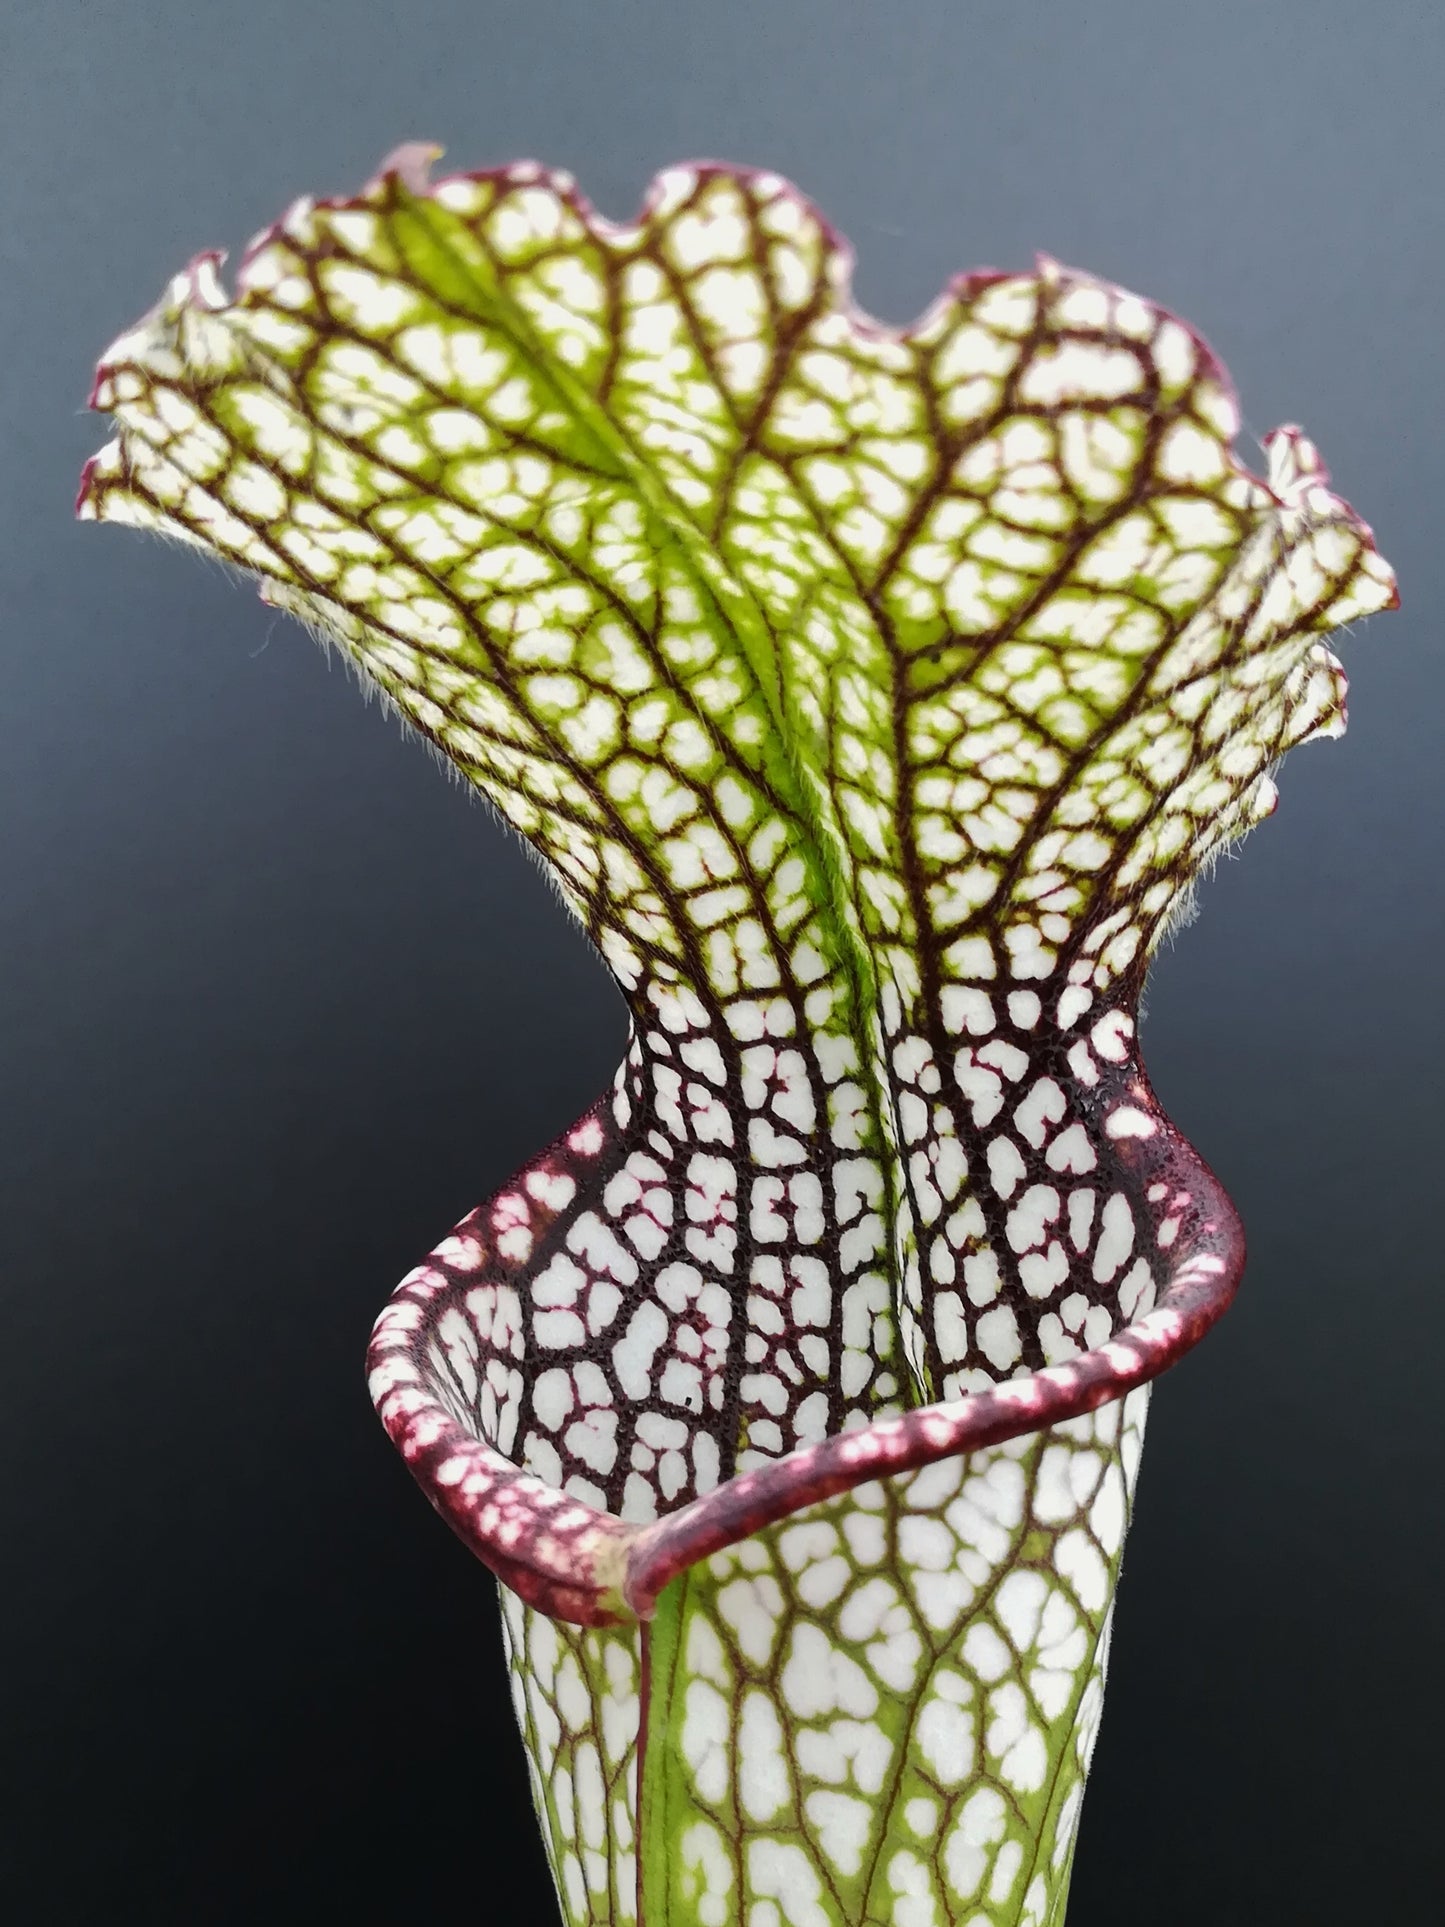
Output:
x=874 y=698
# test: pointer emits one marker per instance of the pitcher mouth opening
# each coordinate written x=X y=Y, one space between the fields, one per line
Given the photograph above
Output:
x=581 y=1564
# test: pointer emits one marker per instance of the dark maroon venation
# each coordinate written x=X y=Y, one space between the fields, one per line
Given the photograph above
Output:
x=721 y=1262
x=590 y=1568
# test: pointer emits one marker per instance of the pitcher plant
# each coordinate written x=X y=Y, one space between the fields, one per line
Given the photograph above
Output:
x=873 y=698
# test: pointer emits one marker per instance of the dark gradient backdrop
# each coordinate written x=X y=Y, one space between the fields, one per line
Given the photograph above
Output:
x=280 y=1003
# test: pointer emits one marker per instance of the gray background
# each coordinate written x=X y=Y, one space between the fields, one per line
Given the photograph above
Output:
x=280 y=1004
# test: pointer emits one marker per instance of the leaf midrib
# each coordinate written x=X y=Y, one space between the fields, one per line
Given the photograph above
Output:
x=422 y=227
